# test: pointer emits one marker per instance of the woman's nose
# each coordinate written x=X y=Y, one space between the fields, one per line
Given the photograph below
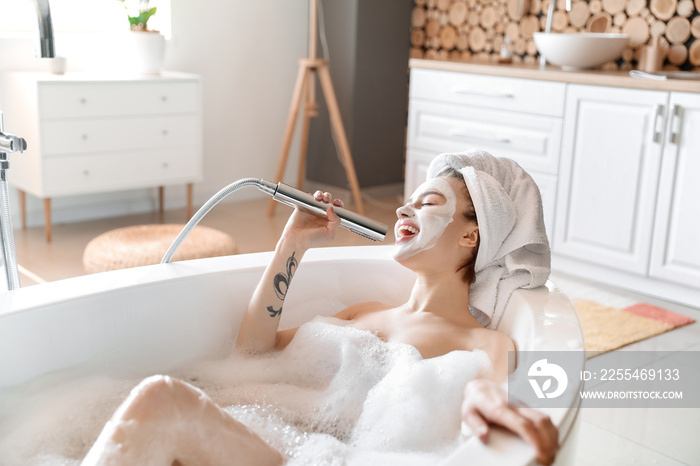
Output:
x=404 y=211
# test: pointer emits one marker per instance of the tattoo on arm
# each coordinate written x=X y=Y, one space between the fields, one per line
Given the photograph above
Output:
x=281 y=284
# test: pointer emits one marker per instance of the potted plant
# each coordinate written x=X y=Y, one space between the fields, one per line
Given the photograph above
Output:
x=146 y=46
x=138 y=12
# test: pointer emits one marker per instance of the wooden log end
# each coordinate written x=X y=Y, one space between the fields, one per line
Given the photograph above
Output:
x=694 y=53
x=678 y=30
x=695 y=27
x=663 y=9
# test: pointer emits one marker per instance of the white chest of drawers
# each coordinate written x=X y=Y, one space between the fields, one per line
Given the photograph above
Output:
x=516 y=118
x=88 y=135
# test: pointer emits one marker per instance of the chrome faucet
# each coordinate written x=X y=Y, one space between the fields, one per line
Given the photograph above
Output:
x=10 y=143
x=8 y=261
x=548 y=25
x=45 y=44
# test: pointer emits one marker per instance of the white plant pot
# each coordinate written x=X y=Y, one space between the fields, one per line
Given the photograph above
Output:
x=146 y=52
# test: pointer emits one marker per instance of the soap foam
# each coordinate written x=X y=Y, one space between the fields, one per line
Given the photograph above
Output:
x=335 y=395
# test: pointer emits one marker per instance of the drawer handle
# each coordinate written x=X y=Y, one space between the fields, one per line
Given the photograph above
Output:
x=164 y=98
x=660 y=111
x=86 y=172
x=165 y=132
x=83 y=101
x=483 y=92
x=85 y=136
x=165 y=164
x=483 y=137
x=676 y=124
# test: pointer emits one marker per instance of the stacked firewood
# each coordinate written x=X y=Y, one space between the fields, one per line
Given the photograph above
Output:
x=467 y=30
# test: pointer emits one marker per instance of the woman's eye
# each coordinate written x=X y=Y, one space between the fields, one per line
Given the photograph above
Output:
x=427 y=203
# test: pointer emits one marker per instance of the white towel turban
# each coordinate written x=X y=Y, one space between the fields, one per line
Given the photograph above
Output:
x=514 y=250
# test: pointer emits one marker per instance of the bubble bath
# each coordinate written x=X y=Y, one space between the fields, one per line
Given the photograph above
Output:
x=335 y=395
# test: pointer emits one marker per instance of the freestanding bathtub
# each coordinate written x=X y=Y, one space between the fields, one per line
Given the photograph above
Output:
x=156 y=318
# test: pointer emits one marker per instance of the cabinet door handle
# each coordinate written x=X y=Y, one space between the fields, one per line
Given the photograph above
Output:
x=660 y=112
x=483 y=137
x=482 y=92
x=676 y=123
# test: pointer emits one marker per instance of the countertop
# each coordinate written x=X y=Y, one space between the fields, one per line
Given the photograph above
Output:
x=554 y=73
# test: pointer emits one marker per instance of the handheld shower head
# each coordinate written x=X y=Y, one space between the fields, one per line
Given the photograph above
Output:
x=285 y=194
x=351 y=221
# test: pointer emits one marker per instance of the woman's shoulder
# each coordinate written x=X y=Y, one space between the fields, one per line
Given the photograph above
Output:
x=496 y=345
x=494 y=341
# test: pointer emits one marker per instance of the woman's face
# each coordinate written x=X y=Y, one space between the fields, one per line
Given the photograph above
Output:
x=424 y=217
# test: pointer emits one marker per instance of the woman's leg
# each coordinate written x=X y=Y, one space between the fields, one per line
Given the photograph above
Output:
x=165 y=421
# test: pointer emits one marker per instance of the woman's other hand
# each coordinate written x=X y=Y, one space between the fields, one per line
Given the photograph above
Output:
x=306 y=230
x=486 y=402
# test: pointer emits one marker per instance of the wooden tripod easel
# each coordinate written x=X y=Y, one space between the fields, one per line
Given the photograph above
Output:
x=305 y=84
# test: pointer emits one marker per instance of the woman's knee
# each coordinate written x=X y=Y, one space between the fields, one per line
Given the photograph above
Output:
x=157 y=396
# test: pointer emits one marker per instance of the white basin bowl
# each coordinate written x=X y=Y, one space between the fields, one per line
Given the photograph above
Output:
x=579 y=51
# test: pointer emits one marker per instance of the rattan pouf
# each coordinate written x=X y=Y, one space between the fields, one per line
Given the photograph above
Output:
x=146 y=244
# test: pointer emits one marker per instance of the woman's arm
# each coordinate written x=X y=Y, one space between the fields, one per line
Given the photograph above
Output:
x=486 y=402
x=258 y=332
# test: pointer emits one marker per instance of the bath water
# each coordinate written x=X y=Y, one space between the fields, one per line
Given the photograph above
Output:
x=335 y=395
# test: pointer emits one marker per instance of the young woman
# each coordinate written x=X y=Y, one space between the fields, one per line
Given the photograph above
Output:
x=437 y=237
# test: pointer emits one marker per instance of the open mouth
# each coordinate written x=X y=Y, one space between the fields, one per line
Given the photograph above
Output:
x=405 y=232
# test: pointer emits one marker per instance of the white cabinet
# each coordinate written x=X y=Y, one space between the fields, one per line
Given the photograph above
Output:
x=617 y=168
x=609 y=175
x=88 y=135
x=675 y=254
x=628 y=200
x=516 y=118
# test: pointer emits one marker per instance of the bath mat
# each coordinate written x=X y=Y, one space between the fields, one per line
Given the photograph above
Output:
x=660 y=314
x=607 y=328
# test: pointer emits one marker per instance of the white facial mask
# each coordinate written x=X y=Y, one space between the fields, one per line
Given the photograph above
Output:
x=431 y=221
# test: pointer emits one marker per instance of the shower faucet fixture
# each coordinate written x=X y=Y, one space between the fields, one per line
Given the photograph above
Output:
x=9 y=144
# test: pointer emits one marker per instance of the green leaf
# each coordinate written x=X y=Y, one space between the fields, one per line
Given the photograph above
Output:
x=142 y=19
x=148 y=14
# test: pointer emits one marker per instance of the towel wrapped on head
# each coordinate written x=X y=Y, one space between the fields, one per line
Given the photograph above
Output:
x=514 y=250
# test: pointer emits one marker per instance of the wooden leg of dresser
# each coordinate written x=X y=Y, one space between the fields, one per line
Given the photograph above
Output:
x=161 y=202
x=23 y=207
x=190 y=193
x=47 y=218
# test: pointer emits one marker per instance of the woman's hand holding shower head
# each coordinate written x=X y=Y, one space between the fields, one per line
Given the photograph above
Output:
x=305 y=230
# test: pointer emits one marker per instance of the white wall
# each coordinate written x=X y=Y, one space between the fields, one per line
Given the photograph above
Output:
x=247 y=53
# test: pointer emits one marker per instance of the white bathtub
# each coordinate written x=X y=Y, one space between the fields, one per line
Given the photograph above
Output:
x=154 y=319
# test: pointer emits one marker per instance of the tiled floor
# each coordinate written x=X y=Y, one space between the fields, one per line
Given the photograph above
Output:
x=607 y=436
x=653 y=436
